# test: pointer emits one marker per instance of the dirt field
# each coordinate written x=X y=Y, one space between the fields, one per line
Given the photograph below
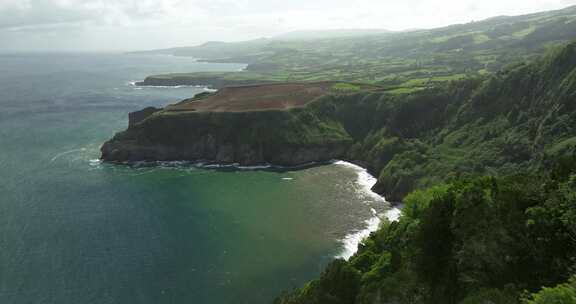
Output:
x=256 y=98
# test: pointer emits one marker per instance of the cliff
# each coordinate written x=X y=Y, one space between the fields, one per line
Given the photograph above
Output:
x=285 y=138
x=513 y=120
x=212 y=80
x=245 y=125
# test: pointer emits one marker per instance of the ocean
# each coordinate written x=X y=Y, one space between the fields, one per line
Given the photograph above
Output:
x=75 y=230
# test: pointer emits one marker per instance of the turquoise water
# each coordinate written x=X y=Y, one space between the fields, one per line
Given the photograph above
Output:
x=74 y=230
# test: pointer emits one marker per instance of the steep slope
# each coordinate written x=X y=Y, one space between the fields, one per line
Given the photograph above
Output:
x=245 y=125
x=480 y=240
x=510 y=121
x=471 y=239
x=513 y=120
x=462 y=238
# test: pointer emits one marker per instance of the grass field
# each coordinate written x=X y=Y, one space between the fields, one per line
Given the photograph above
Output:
x=283 y=96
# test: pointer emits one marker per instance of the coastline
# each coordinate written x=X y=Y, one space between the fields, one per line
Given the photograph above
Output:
x=135 y=84
x=365 y=180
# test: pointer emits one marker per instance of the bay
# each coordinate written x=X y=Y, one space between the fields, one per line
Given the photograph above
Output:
x=74 y=230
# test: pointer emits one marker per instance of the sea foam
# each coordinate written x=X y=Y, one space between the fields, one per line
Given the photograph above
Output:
x=65 y=153
x=365 y=182
x=139 y=87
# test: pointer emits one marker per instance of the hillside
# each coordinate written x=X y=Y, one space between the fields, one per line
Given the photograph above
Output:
x=410 y=60
x=247 y=125
x=468 y=238
x=280 y=96
x=463 y=238
x=512 y=120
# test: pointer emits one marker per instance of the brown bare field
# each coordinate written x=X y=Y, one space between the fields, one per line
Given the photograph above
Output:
x=264 y=97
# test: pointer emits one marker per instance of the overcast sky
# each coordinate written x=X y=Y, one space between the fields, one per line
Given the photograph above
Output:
x=145 y=24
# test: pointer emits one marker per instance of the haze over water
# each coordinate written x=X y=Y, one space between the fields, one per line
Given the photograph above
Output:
x=73 y=230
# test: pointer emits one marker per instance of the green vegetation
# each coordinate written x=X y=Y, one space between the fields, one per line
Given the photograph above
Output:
x=561 y=294
x=346 y=87
x=415 y=137
x=482 y=154
x=486 y=168
x=516 y=119
x=478 y=240
x=399 y=61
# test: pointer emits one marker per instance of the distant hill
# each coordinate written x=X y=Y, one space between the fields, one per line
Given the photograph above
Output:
x=218 y=50
x=224 y=49
x=413 y=59
x=328 y=34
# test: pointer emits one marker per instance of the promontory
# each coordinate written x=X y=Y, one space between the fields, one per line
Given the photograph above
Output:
x=409 y=139
x=249 y=125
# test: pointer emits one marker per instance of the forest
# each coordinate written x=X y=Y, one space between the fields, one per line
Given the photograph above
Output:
x=486 y=170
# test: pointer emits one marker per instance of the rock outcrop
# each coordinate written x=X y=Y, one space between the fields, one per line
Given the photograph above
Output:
x=246 y=125
x=216 y=82
x=138 y=116
x=246 y=138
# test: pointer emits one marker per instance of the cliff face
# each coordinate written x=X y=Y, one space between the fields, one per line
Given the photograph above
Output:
x=286 y=138
x=138 y=116
x=511 y=121
x=198 y=79
x=250 y=125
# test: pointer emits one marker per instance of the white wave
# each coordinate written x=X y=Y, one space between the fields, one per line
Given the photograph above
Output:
x=233 y=165
x=172 y=87
x=214 y=165
x=197 y=164
x=287 y=178
x=173 y=163
x=365 y=180
x=259 y=167
x=66 y=152
x=351 y=241
x=95 y=164
x=393 y=214
x=139 y=87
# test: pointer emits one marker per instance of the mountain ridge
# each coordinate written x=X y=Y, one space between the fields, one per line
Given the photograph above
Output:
x=397 y=60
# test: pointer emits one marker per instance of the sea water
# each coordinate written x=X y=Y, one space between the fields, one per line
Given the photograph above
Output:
x=75 y=230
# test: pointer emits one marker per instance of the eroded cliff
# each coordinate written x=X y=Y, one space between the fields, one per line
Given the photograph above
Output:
x=267 y=124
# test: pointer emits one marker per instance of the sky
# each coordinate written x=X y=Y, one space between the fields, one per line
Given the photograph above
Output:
x=122 y=25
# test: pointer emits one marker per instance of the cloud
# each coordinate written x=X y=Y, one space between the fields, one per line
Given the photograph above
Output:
x=16 y=13
x=161 y=23
x=14 y=4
